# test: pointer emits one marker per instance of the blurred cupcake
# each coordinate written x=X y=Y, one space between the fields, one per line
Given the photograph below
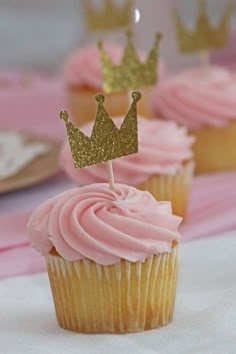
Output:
x=203 y=101
x=112 y=258
x=83 y=78
x=163 y=165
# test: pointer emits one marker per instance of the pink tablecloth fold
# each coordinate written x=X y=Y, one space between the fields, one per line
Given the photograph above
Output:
x=13 y=231
x=212 y=206
x=20 y=260
x=16 y=255
x=36 y=111
x=212 y=210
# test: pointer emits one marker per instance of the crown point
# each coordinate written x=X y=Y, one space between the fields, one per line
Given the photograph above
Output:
x=136 y=95
x=202 y=3
x=202 y=8
x=99 y=45
x=129 y=34
x=232 y=6
x=64 y=115
x=100 y=98
x=159 y=36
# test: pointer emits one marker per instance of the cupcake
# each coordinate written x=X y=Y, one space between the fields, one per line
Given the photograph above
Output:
x=112 y=258
x=163 y=165
x=203 y=101
x=83 y=79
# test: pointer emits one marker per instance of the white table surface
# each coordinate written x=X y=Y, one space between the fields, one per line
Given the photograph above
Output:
x=205 y=316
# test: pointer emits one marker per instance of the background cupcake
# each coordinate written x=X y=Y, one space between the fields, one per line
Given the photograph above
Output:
x=163 y=165
x=83 y=78
x=112 y=258
x=204 y=101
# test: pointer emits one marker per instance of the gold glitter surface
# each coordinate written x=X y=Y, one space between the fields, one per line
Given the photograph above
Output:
x=107 y=142
x=131 y=74
x=205 y=36
x=109 y=16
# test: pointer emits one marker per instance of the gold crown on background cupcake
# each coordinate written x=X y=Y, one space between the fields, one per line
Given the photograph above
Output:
x=109 y=16
x=205 y=36
x=131 y=73
x=107 y=142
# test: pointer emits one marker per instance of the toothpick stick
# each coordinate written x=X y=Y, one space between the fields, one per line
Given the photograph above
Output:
x=205 y=60
x=110 y=175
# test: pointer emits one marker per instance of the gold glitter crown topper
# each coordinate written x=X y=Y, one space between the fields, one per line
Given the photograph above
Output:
x=107 y=142
x=109 y=16
x=205 y=36
x=131 y=73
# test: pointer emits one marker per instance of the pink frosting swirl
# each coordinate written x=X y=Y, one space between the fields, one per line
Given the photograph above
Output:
x=92 y=222
x=83 y=68
x=195 y=98
x=163 y=148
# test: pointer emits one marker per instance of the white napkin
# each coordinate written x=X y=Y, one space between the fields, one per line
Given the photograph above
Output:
x=205 y=316
x=16 y=154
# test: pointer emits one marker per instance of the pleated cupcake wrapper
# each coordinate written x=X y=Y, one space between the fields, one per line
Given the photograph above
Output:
x=122 y=298
x=172 y=188
x=214 y=150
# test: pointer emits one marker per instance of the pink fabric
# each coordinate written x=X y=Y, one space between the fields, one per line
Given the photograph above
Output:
x=29 y=103
x=212 y=210
x=212 y=206
x=16 y=255
x=35 y=109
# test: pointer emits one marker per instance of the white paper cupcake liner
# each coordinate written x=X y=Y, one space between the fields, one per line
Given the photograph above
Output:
x=172 y=188
x=122 y=298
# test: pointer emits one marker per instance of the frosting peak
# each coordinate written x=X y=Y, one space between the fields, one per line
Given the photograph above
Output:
x=104 y=226
x=195 y=98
